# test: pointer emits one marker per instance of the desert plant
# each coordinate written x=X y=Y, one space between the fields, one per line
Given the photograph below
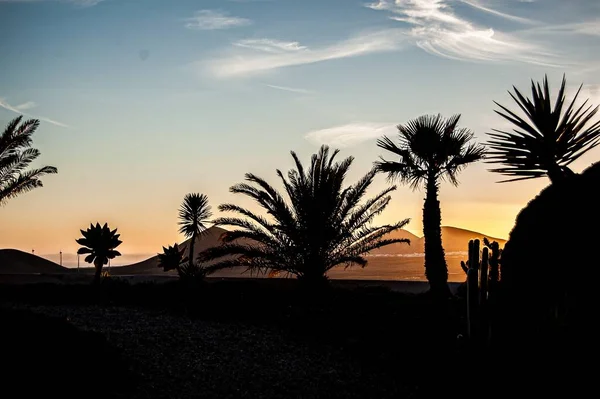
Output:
x=193 y=217
x=549 y=142
x=16 y=155
x=172 y=258
x=100 y=243
x=320 y=226
x=431 y=149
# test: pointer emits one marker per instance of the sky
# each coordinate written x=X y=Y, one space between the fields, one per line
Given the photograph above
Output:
x=143 y=101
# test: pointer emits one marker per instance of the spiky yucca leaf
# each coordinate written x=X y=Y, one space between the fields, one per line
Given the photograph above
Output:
x=547 y=140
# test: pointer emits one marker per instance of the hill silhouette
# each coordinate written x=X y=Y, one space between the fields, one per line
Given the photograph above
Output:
x=211 y=237
x=454 y=239
x=13 y=261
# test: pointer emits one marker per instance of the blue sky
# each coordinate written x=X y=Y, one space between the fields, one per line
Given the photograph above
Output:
x=143 y=101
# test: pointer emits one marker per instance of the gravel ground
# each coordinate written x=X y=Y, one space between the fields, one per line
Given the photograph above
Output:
x=178 y=357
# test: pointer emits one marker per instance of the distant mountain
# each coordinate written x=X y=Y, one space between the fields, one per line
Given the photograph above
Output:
x=454 y=239
x=210 y=238
x=13 y=261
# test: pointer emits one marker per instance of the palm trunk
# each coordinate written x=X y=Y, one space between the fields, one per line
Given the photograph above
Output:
x=557 y=174
x=98 y=273
x=436 y=269
x=191 y=256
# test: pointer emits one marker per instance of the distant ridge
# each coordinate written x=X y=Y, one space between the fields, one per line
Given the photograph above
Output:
x=13 y=261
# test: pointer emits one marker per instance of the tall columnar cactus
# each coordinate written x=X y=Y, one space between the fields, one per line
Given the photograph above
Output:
x=482 y=269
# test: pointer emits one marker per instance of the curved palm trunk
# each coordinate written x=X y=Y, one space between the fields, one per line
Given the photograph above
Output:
x=436 y=269
x=98 y=272
x=191 y=256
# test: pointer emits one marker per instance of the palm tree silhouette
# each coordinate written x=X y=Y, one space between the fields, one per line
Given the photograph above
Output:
x=321 y=225
x=171 y=258
x=193 y=217
x=549 y=142
x=100 y=243
x=15 y=156
x=430 y=148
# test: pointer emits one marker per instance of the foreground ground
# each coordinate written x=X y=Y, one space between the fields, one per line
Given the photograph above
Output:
x=229 y=342
x=249 y=339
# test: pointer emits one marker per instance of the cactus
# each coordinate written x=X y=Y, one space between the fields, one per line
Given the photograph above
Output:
x=482 y=282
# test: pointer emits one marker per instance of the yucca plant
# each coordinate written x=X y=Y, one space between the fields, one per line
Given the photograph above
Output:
x=16 y=155
x=431 y=149
x=193 y=218
x=547 y=140
x=319 y=226
x=100 y=243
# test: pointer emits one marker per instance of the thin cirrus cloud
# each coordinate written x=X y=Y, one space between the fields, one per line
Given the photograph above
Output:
x=263 y=55
x=215 y=19
x=291 y=89
x=350 y=134
x=82 y=3
x=19 y=109
x=437 y=29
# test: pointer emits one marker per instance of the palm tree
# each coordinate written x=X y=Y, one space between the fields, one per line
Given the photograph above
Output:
x=431 y=149
x=193 y=216
x=100 y=243
x=321 y=224
x=549 y=142
x=171 y=258
x=15 y=156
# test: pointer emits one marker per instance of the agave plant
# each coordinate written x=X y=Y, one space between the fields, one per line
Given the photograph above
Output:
x=172 y=258
x=16 y=155
x=100 y=243
x=321 y=225
x=430 y=149
x=547 y=140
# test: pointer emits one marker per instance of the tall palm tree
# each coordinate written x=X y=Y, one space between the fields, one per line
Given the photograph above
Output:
x=193 y=217
x=321 y=224
x=430 y=149
x=15 y=156
x=547 y=140
x=100 y=243
x=171 y=258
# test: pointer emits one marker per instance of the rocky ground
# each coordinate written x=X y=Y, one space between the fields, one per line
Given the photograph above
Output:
x=163 y=355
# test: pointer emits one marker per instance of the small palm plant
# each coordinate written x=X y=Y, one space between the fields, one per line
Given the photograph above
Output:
x=16 y=155
x=320 y=226
x=193 y=218
x=547 y=140
x=100 y=243
x=172 y=258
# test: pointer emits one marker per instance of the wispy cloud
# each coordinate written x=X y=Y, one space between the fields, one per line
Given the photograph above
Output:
x=269 y=45
x=30 y=104
x=261 y=55
x=214 y=19
x=82 y=3
x=291 y=89
x=25 y=106
x=350 y=134
x=437 y=29
x=478 y=5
